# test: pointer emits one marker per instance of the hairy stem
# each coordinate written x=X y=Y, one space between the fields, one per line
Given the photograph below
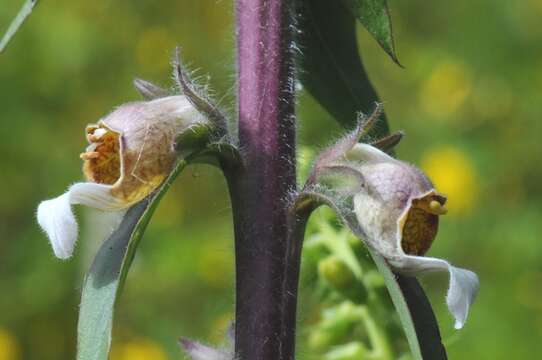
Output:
x=260 y=189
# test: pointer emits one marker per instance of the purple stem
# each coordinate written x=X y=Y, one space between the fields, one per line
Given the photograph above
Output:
x=259 y=191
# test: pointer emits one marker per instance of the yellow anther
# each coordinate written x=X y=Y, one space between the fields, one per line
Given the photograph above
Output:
x=94 y=135
x=430 y=205
x=437 y=208
x=102 y=158
x=89 y=155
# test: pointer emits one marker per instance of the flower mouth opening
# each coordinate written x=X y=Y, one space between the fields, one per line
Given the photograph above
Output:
x=419 y=224
x=102 y=159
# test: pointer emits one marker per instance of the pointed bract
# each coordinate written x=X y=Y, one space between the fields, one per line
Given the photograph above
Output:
x=148 y=90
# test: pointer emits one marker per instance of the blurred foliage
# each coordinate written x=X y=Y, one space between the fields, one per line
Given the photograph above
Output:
x=468 y=100
x=348 y=314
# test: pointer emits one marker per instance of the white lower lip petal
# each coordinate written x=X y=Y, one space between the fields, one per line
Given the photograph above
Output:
x=56 y=218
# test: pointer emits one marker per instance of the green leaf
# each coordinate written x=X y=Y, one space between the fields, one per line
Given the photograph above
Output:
x=331 y=68
x=17 y=22
x=415 y=313
x=104 y=282
x=375 y=17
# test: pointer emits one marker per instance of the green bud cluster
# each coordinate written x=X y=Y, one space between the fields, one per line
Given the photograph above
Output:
x=338 y=276
x=352 y=317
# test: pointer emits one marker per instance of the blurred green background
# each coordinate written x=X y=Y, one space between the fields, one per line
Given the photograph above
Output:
x=469 y=99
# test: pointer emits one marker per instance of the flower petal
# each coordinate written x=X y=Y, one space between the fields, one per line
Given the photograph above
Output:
x=56 y=217
x=464 y=284
x=365 y=152
x=198 y=351
x=97 y=196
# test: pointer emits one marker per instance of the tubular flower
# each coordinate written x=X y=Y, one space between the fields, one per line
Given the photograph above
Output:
x=398 y=211
x=131 y=151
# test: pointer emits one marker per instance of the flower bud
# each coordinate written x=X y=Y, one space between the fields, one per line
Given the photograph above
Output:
x=336 y=325
x=340 y=278
x=319 y=340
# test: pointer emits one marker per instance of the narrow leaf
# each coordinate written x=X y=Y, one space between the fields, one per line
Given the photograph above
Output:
x=374 y=15
x=331 y=68
x=17 y=22
x=104 y=282
x=415 y=313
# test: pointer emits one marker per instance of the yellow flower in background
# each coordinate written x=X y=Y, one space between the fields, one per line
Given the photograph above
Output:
x=9 y=347
x=141 y=349
x=452 y=172
x=445 y=90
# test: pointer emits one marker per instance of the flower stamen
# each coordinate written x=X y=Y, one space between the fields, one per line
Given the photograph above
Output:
x=102 y=158
x=89 y=155
x=419 y=226
x=437 y=208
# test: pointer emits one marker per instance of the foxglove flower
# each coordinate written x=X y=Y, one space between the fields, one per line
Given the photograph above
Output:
x=131 y=151
x=398 y=210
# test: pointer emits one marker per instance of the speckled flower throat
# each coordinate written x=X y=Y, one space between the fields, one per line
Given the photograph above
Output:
x=420 y=223
x=102 y=161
